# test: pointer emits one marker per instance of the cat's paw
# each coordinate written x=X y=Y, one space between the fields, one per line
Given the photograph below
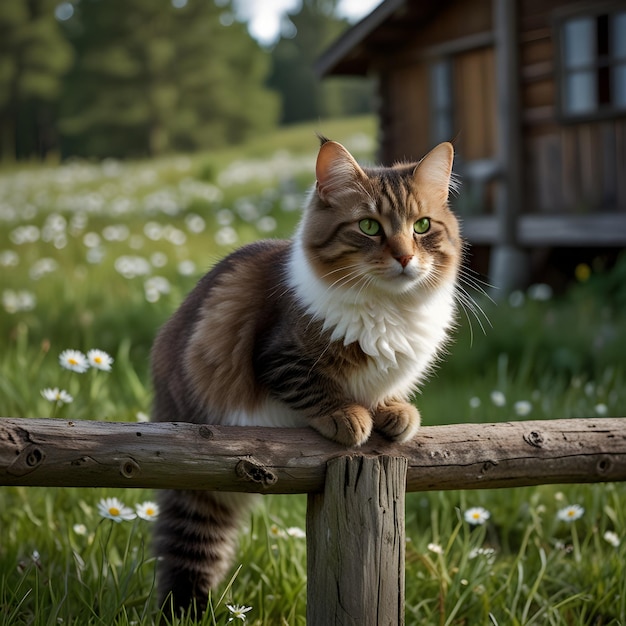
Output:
x=398 y=421
x=350 y=425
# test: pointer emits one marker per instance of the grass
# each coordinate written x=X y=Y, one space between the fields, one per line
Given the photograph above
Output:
x=97 y=255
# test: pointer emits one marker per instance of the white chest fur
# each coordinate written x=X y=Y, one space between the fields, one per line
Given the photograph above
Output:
x=401 y=334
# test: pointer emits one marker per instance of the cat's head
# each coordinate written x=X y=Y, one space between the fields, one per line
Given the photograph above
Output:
x=384 y=229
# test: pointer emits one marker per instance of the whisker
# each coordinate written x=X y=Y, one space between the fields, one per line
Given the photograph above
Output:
x=342 y=280
x=340 y=269
x=475 y=283
x=367 y=281
x=473 y=304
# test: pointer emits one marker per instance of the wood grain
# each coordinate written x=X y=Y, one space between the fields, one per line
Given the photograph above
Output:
x=54 y=452
x=356 y=544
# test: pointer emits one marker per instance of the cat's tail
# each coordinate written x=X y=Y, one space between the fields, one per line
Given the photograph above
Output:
x=194 y=541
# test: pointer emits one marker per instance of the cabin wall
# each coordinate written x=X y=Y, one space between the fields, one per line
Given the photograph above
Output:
x=405 y=86
x=568 y=167
x=475 y=114
x=404 y=114
x=573 y=167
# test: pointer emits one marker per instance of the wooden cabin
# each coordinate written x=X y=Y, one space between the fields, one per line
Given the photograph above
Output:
x=533 y=95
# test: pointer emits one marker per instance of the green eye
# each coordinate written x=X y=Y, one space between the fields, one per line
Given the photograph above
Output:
x=422 y=225
x=370 y=227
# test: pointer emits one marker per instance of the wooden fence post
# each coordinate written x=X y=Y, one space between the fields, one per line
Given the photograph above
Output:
x=356 y=543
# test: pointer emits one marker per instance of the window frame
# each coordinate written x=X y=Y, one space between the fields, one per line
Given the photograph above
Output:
x=599 y=63
x=441 y=113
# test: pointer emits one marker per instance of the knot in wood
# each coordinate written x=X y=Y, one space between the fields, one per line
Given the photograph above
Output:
x=205 y=432
x=488 y=465
x=534 y=438
x=34 y=457
x=27 y=460
x=604 y=465
x=129 y=468
x=255 y=472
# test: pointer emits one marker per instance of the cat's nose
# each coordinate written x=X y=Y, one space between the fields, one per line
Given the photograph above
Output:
x=404 y=260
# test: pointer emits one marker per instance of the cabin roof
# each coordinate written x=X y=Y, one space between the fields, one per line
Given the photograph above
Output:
x=386 y=28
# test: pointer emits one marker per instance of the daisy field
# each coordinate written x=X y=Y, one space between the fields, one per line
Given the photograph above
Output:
x=93 y=259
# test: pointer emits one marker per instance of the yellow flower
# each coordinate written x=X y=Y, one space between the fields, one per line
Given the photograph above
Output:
x=582 y=272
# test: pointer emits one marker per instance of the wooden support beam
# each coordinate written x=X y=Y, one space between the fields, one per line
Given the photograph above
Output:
x=509 y=263
x=356 y=543
x=61 y=453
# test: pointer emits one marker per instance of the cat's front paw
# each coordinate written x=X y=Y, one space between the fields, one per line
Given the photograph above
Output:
x=398 y=421
x=350 y=425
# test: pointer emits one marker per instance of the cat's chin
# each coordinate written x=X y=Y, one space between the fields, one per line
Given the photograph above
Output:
x=399 y=285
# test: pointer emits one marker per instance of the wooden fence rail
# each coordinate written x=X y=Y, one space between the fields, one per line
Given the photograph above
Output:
x=54 y=452
x=355 y=512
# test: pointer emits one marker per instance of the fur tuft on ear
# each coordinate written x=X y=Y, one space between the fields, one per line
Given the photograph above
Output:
x=433 y=174
x=336 y=170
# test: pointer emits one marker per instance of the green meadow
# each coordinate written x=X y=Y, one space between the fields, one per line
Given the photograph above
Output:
x=97 y=255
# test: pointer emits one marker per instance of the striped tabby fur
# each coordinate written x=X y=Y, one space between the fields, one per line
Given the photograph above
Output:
x=334 y=329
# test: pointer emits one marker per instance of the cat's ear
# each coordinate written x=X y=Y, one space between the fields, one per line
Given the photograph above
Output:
x=433 y=174
x=337 y=171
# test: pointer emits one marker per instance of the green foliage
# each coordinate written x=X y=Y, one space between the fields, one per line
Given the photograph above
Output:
x=152 y=78
x=34 y=56
x=63 y=285
x=129 y=78
x=304 y=95
x=599 y=285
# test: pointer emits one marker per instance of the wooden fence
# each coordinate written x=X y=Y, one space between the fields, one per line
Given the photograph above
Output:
x=355 y=511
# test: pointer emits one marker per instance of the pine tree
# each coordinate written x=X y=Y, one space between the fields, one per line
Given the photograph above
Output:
x=155 y=76
x=304 y=95
x=33 y=59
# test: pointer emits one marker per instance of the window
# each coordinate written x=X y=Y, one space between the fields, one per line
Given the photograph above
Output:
x=441 y=101
x=593 y=63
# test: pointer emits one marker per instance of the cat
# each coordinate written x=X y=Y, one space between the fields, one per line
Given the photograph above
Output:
x=334 y=329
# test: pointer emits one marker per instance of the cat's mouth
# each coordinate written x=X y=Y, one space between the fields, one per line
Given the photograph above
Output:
x=396 y=278
x=406 y=271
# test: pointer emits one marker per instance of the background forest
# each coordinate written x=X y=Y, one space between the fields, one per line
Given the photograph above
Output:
x=135 y=78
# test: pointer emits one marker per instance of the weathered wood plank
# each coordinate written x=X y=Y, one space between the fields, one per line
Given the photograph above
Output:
x=595 y=229
x=54 y=452
x=356 y=543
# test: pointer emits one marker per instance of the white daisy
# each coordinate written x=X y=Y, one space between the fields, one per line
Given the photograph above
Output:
x=522 y=408
x=114 y=509
x=100 y=360
x=488 y=553
x=74 y=360
x=476 y=516
x=570 y=513
x=295 y=531
x=54 y=394
x=238 y=612
x=147 y=510
x=498 y=398
x=612 y=538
